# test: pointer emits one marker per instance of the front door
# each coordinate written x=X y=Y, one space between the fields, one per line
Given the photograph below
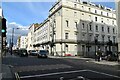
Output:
x=83 y=50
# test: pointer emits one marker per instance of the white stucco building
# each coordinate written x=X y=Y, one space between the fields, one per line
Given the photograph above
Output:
x=42 y=35
x=1 y=12
x=18 y=42
x=73 y=26
x=118 y=21
x=31 y=37
x=77 y=24
x=22 y=42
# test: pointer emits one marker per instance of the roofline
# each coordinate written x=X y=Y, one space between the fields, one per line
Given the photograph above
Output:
x=54 y=5
x=31 y=26
x=45 y=21
x=113 y=10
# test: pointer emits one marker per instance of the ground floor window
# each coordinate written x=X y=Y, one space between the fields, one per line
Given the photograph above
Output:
x=75 y=47
x=66 y=47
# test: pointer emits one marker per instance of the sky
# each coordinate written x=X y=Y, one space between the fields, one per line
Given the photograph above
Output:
x=22 y=14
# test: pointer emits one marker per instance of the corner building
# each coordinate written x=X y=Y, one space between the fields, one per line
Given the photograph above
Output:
x=118 y=21
x=75 y=25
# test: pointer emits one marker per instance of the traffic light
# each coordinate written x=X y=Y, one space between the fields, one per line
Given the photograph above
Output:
x=3 y=30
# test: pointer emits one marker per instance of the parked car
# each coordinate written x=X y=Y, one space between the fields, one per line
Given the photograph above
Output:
x=33 y=52
x=23 y=52
x=112 y=57
x=15 y=51
x=68 y=54
x=43 y=53
x=28 y=52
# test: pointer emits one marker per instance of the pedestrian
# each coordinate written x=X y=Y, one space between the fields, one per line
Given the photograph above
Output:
x=96 y=56
x=118 y=57
x=99 y=53
x=11 y=51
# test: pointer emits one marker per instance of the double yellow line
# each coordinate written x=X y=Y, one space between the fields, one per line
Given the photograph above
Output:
x=17 y=77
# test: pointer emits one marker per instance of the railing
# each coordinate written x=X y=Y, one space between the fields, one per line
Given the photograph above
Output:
x=72 y=41
x=81 y=41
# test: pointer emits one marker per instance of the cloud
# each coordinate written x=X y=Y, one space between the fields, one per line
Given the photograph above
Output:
x=53 y=0
x=19 y=30
x=99 y=0
x=29 y=0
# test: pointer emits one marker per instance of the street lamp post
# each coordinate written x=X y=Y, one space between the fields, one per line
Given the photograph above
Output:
x=110 y=44
x=12 y=36
x=61 y=48
x=96 y=41
x=52 y=41
x=11 y=43
x=88 y=38
x=87 y=41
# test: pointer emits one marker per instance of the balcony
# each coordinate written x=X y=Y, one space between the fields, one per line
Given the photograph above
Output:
x=72 y=41
x=65 y=41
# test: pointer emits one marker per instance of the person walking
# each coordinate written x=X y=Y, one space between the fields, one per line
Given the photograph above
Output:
x=99 y=53
x=11 y=52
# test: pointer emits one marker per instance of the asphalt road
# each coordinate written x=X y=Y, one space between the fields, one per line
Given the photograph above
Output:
x=32 y=68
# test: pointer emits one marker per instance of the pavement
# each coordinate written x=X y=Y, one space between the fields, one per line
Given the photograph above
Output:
x=8 y=55
x=6 y=69
x=6 y=72
x=102 y=62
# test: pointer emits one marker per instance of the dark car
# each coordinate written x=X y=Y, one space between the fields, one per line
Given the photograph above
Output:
x=43 y=53
x=112 y=57
x=15 y=51
x=23 y=52
x=33 y=52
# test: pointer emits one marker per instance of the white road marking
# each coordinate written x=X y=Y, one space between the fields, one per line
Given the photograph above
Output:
x=53 y=74
x=50 y=74
x=87 y=61
x=104 y=74
x=17 y=76
x=61 y=78
x=10 y=65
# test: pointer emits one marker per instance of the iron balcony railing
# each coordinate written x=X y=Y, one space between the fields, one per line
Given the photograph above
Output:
x=72 y=41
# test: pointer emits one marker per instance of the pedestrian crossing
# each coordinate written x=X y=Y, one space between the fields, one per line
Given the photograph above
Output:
x=72 y=75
